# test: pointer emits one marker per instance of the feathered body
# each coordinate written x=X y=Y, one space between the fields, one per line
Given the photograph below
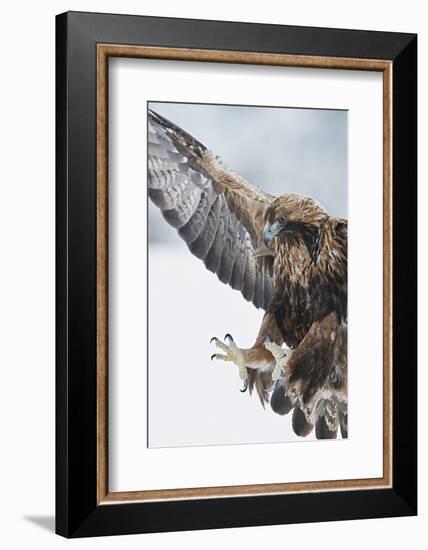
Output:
x=285 y=254
x=309 y=306
x=310 y=267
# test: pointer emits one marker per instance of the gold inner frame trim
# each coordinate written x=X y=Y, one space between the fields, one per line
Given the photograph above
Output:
x=104 y=51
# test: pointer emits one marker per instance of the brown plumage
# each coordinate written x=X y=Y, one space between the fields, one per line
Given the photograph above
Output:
x=284 y=254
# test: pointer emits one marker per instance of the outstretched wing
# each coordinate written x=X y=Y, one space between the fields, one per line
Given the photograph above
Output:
x=217 y=213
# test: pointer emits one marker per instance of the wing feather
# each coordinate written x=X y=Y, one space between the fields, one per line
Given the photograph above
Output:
x=201 y=246
x=193 y=228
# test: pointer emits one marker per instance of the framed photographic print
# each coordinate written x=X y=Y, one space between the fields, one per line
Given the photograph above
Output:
x=218 y=364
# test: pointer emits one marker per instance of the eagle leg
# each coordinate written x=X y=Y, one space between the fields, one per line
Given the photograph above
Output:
x=256 y=363
x=248 y=361
x=281 y=356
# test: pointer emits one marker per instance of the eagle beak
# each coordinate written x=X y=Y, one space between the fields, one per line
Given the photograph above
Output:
x=267 y=235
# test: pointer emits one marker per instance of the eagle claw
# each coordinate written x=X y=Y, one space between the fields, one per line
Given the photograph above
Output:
x=281 y=357
x=233 y=354
x=244 y=389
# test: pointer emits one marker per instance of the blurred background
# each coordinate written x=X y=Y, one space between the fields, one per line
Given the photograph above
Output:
x=191 y=400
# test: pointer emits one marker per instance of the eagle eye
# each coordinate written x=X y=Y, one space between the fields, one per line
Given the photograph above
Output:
x=282 y=219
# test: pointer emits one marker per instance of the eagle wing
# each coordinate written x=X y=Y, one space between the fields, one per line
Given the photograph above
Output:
x=217 y=213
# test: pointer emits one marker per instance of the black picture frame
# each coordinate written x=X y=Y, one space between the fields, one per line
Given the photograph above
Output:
x=77 y=512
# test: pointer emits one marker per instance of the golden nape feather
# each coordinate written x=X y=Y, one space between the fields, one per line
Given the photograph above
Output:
x=284 y=254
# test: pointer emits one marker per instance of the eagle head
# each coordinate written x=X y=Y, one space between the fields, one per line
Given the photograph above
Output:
x=292 y=215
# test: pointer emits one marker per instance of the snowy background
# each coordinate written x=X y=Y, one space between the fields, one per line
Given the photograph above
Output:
x=193 y=401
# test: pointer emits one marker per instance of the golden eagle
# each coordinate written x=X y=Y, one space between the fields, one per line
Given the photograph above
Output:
x=284 y=254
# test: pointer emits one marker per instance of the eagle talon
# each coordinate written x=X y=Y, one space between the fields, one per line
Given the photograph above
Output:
x=281 y=357
x=213 y=339
x=245 y=387
x=231 y=353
